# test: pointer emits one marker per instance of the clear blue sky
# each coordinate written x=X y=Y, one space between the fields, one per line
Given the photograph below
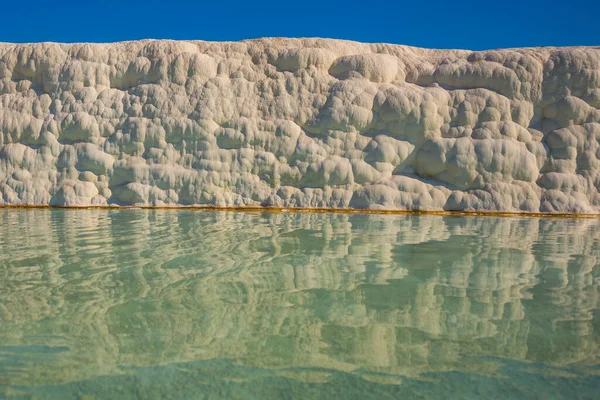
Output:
x=468 y=24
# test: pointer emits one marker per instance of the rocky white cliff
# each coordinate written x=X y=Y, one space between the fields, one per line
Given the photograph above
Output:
x=300 y=123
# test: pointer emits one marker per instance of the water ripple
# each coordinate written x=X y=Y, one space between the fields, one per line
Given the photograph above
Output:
x=384 y=298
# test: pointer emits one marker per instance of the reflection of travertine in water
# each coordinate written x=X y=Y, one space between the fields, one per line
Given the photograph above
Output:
x=85 y=292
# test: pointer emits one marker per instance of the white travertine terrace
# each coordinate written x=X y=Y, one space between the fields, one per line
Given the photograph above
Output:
x=300 y=123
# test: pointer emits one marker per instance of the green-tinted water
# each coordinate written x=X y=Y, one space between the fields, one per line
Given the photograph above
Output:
x=158 y=304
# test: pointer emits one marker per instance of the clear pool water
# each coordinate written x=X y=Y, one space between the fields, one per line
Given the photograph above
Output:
x=184 y=304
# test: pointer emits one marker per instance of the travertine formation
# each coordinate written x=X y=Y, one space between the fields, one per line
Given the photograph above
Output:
x=300 y=123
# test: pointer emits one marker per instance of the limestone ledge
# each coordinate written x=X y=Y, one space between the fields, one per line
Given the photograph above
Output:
x=300 y=123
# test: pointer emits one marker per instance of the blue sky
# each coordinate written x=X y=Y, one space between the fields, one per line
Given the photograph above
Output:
x=468 y=24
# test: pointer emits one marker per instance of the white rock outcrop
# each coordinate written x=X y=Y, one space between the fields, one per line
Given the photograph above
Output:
x=300 y=123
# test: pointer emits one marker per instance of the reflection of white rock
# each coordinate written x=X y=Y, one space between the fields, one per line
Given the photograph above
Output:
x=300 y=123
x=395 y=294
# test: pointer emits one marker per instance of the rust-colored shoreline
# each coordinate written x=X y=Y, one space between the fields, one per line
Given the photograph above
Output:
x=278 y=210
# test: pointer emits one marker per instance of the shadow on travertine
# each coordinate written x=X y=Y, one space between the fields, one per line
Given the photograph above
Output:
x=84 y=293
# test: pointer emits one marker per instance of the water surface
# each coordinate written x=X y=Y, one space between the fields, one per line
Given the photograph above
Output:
x=182 y=304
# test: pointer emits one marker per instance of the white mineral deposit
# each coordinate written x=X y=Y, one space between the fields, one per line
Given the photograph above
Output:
x=300 y=123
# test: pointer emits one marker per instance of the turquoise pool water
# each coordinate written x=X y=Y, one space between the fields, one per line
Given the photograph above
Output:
x=184 y=304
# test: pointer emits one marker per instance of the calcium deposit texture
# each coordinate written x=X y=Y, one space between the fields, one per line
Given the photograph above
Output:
x=310 y=123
